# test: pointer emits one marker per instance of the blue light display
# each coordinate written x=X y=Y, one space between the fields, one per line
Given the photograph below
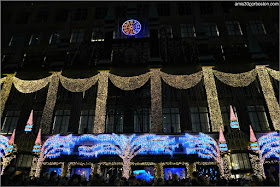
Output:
x=180 y=172
x=85 y=172
x=4 y=146
x=50 y=169
x=28 y=128
x=234 y=125
x=254 y=146
x=143 y=175
x=270 y=145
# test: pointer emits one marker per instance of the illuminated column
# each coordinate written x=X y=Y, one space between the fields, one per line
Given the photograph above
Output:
x=101 y=100
x=257 y=167
x=268 y=92
x=46 y=120
x=191 y=169
x=5 y=91
x=159 y=170
x=226 y=166
x=156 y=102
x=212 y=99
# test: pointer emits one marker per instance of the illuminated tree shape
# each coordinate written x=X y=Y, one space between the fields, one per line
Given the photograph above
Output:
x=54 y=147
x=269 y=146
x=204 y=146
x=127 y=147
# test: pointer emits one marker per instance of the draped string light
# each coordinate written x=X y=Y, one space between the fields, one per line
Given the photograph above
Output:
x=30 y=86
x=5 y=91
x=268 y=92
x=181 y=81
x=257 y=167
x=156 y=102
x=46 y=120
x=3 y=79
x=238 y=79
x=212 y=99
x=162 y=164
x=70 y=164
x=275 y=74
x=127 y=147
x=78 y=85
x=204 y=146
x=53 y=148
x=129 y=83
x=101 y=100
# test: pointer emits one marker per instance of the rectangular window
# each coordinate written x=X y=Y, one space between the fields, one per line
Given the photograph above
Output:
x=80 y=14
x=240 y=161
x=171 y=120
x=258 y=118
x=257 y=27
x=163 y=9
x=212 y=29
x=97 y=34
x=114 y=121
x=23 y=18
x=142 y=120
x=55 y=38
x=187 y=31
x=233 y=28
x=226 y=114
x=42 y=16
x=165 y=31
x=61 y=15
x=77 y=36
x=184 y=8
x=100 y=12
x=10 y=121
x=86 y=121
x=200 y=119
x=206 y=7
x=61 y=121
x=35 y=39
x=24 y=160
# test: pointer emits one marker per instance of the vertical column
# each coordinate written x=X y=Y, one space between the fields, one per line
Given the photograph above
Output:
x=268 y=92
x=46 y=120
x=101 y=100
x=226 y=166
x=5 y=91
x=212 y=99
x=156 y=102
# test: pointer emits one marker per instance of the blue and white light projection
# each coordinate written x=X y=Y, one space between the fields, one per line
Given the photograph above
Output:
x=5 y=148
x=269 y=146
x=131 y=27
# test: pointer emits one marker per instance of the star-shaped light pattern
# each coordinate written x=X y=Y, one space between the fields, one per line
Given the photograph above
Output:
x=127 y=147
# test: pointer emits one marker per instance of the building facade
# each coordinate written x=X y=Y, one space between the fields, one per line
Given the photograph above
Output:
x=166 y=68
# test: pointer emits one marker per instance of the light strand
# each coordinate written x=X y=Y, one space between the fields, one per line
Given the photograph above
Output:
x=30 y=86
x=5 y=91
x=275 y=74
x=78 y=85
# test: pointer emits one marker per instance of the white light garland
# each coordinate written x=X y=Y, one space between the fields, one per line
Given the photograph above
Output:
x=3 y=79
x=5 y=91
x=30 y=86
x=268 y=92
x=275 y=74
x=78 y=85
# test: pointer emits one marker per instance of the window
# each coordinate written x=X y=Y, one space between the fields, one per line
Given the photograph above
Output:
x=100 y=12
x=257 y=27
x=240 y=161
x=163 y=9
x=142 y=120
x=86 y=121
x=61 y=121
x=77 y=36
x=24 y=160
x=165 y=31
x=200 y=119
x=10 y=121
x=114 y=121
x=258 y=118
x=184 y=8
x=211 y=29
x=23 y=18
x=61 y=15
x=171 y=120
x=226 y=114
x=55 y=38
x=97 y=34
x=206 y=7
x=35 y=39
x=233 y=28
x=80 y=14
x=42 y=16
x=187 y=31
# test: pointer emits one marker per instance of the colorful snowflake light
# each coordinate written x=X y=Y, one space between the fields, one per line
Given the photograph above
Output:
x=127 y=147
x=29 y=124
x=233 y=121
x=253 y=140
x=204 y=146
x=222 y=141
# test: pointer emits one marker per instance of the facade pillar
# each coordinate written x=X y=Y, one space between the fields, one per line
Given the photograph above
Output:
x=101 y=101
x=212 y=99
x=46 y=121
x=5 y=91
x=268 y=92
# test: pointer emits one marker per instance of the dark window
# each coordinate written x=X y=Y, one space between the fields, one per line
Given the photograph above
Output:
x=233 y=28
x=120 y=11
x=187 y=31
x=77 y=36
x=100 y=12
x=97 y=34
x=10 y=121
x=114 y=121
x=61 y=121
x=184 y=8
x=171 y=120
x=258 y=118
x=240 y=161
x=200 y=119
x=211 y=29
x=86 y=121
x=257 y=27
x=165 y=31
x=206 y=7
x=23 y=18
x=61 y=15
x=81 y=14
x=142 y=120
x=55 y=38
x=35 y=39
x=24 y=160
x=42 y=17
x=163 y=9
